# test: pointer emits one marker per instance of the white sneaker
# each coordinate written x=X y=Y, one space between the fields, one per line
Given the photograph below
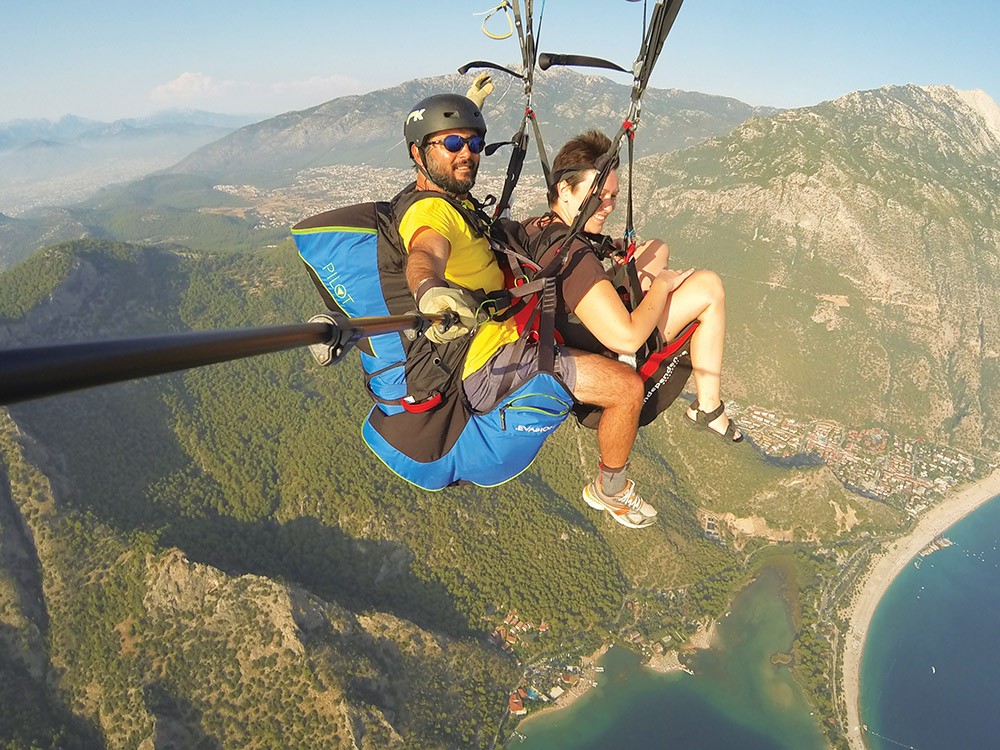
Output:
x=627 y=508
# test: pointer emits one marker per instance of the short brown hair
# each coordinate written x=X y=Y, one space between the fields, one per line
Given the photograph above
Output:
x=577 y=155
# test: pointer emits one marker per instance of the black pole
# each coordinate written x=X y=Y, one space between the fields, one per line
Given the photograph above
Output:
x=45 y=371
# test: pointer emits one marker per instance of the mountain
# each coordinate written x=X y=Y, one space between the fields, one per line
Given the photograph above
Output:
x=367 y=129
x=301 y=161
x=859 y=243
x=179 y=551
x=44 y=163
x=193 y=118
x=15 y=133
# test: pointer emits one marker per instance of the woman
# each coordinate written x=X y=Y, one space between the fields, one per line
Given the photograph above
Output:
x=592 y=315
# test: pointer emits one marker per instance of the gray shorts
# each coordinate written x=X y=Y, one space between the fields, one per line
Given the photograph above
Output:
x=485 y=387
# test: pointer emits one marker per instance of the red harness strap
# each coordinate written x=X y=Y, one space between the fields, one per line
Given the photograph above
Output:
x=650 y=365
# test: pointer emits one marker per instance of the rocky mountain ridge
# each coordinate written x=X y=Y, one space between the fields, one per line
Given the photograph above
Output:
x=866 y=230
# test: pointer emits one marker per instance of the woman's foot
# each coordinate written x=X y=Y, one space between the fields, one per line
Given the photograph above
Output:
x=716 y=420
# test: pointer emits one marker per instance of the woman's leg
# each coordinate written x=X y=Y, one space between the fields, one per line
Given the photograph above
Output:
x=703 y=298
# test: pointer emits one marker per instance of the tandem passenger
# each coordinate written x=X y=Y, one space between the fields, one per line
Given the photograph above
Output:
x=592 y=314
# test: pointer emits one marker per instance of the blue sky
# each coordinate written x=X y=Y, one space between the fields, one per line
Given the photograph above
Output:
x=107 y=59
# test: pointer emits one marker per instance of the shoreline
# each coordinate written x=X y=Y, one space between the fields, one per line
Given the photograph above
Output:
x=570 y=695
x=883 y=570
x=663 y=663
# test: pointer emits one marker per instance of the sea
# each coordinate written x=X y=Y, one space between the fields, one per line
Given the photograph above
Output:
x=930 y=672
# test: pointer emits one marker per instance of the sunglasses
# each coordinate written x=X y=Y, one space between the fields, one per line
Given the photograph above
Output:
x=455 y=143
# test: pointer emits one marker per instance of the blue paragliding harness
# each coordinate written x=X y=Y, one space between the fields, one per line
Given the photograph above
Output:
x=421 y=425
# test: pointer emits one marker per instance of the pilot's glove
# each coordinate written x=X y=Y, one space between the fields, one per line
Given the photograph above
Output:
x=481 y=87
x=445 y=299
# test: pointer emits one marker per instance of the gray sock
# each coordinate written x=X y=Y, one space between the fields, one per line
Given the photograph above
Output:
x=613 y=480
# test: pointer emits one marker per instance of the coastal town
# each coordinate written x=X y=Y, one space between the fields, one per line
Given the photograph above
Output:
x=906 y=473
x=546 y=681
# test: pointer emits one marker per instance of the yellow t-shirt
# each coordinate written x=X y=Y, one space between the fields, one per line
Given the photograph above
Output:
x=471 y=264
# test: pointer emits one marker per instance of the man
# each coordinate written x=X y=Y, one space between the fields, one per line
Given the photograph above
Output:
x=444 y=137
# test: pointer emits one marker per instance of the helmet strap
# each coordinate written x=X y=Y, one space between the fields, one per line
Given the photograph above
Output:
x=422 y=150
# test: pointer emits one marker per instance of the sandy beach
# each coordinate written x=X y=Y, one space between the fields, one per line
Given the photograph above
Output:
x=884 y=568
x=574 y=693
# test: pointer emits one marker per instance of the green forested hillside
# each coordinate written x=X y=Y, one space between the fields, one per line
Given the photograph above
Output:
x=219 y=540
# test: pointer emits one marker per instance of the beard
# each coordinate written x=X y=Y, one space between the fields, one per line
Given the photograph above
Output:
x=444 y=176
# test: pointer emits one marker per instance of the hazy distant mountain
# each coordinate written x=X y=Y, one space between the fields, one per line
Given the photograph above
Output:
x=367 y=129
x=860 y=242
x=44 y=163
x=15 y=133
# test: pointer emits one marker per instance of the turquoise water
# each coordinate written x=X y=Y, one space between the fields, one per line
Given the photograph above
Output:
x=735 y=699
x=930 y=677
x=931 y=668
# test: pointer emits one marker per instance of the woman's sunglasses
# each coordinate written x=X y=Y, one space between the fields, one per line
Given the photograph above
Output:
x=454 y=143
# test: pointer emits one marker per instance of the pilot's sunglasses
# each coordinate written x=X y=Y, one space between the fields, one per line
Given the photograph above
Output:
x=454 y=143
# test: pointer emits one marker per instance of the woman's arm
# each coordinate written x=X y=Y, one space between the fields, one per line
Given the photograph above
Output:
x=604 y=314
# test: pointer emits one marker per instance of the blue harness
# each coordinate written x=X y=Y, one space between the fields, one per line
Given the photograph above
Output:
x=421 y=425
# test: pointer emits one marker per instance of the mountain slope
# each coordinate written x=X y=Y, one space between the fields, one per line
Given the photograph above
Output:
x=219 y=540
x=367 y=129
x=152 y=648
x=859 y=242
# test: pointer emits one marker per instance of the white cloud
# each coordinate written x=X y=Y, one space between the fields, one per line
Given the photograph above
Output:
x=189 y=89
x=202 y=91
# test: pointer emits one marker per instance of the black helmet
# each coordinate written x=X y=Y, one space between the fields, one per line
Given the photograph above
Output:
x=441 y=112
